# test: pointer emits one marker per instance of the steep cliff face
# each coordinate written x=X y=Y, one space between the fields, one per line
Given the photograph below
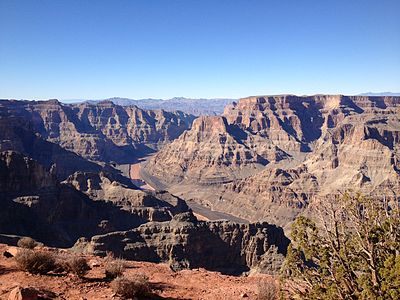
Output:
x=101 y=132
x=16 y=135
x=20 y=174
x=132 y=125
x=33 y=203
x=314 y=147
x=211 y=152
x=185 y=242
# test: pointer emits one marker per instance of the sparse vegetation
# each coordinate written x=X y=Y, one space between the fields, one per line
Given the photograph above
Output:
x=27 y=243
x=267 y=290
x=35 y=262
x=61 y=262
x=77 y=265
x=114 y=268
x=353 y=252
x=132 y=287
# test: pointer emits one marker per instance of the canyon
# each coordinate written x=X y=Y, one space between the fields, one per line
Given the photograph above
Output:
x=98 y=132
x=216 y=192
x=63 y=179
x=275 y=157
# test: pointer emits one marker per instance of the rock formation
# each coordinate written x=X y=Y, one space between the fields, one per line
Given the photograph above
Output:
x=151 y=206
x=185 y=242
x=16 y=134
x=51 y=191
x=211 y=152
x=33 y=203
x=266 y=158
x=100 y=132
x=311 y=147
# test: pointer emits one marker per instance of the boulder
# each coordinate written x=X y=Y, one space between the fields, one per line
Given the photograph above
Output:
x=11 y=252
x=20 y=293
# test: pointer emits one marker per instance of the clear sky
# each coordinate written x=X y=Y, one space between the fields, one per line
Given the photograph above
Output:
x=81 y=49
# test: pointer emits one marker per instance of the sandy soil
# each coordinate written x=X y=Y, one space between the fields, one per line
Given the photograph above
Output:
x=186 y=284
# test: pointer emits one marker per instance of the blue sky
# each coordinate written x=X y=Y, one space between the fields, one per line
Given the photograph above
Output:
x=197 y=48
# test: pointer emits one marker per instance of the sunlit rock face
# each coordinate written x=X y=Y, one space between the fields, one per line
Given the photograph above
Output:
x=101 y=132
x=270 y=157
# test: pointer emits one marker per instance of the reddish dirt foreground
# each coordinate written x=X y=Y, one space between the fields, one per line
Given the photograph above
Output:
x=186 y=284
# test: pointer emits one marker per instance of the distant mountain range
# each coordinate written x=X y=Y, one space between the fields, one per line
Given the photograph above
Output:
x=210 y=107
x=379 y=94
x=194 y=106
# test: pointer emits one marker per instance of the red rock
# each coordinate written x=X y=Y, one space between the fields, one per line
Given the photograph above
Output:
x=10 y=252
x=23 y=294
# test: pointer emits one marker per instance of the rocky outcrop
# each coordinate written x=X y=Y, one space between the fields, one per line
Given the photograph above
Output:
x=34 y=203
x=101 y=132
x=313 y=147
x=185 y=242
x=150 y=206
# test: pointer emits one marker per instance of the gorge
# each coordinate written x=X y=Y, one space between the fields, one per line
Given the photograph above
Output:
x=66 y=174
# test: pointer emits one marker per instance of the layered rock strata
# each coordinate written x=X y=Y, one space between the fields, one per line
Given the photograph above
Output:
x=100 y=132
x=311 y=147
x=34 y=203
x=212 y=152
x=185 y=242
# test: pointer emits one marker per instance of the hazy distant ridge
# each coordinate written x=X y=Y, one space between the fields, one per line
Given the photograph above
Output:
x=191 y=106
x=379 y=94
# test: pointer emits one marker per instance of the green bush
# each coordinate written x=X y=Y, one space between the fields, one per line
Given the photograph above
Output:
x=351 y=252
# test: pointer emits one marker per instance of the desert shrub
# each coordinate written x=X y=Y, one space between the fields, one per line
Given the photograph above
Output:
x=35 y=262
x=114 y=268
x=61 y=262
x=27 y=243
x=267 y=290
x=77 y=265
x=132 y=287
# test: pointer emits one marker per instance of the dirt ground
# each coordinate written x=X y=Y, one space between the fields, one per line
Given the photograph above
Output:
x=167 y=284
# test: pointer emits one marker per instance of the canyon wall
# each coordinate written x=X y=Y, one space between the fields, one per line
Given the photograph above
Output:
x=100 y=132
x=272 y=157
